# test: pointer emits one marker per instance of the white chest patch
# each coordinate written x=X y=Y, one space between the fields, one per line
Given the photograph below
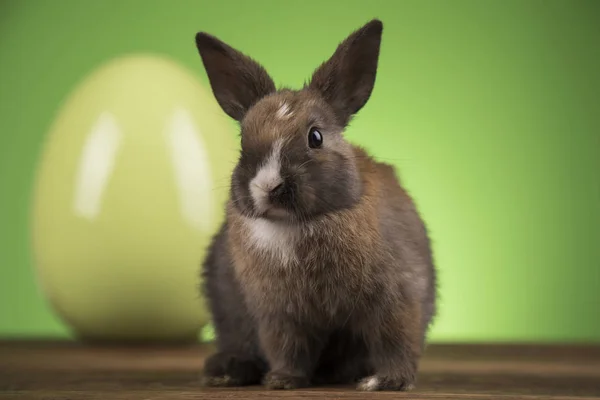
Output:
x=276 y=239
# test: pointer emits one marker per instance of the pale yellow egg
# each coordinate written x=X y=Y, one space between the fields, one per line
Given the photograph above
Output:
x=130 y=188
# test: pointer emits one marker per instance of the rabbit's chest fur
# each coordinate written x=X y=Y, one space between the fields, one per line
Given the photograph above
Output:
x=311 y=271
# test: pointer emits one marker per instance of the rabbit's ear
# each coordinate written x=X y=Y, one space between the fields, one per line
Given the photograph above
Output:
x=237 y=81
x=346 y=80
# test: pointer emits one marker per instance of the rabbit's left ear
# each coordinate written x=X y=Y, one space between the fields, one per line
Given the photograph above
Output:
x=237 y=81
x=346 y=80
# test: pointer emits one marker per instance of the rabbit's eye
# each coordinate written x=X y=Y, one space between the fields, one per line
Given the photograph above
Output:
x=315 y=139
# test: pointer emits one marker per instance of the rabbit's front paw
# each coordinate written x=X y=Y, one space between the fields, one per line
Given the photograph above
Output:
x=376 y=383
x=232 y=369
x=282 y=381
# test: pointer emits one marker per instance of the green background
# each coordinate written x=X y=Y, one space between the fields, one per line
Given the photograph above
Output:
x=490 y=111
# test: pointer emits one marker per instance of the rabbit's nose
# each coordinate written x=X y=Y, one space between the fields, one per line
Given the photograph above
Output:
x=277 y=191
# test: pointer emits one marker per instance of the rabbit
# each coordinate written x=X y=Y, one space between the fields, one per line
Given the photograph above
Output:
x=322 y=271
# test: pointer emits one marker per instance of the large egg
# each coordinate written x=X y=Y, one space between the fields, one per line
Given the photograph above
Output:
x=129 y=190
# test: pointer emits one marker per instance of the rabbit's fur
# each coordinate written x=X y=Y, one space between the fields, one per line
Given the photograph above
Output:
x=322 y=271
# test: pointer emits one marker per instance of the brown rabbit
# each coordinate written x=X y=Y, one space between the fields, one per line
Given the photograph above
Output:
x=322 y=271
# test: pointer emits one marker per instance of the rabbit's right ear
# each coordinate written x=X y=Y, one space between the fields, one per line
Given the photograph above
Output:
x=346 y=80
x=237 y=81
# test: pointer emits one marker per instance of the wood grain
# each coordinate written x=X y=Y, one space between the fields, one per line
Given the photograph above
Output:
x=74 y=371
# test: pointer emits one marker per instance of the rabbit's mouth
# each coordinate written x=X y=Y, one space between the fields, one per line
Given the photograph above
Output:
x=277 y=213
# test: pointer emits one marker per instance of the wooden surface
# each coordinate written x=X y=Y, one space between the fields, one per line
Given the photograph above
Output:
x=64 y=371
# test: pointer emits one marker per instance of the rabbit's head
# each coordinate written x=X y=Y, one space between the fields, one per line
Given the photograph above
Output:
x=295 y=163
